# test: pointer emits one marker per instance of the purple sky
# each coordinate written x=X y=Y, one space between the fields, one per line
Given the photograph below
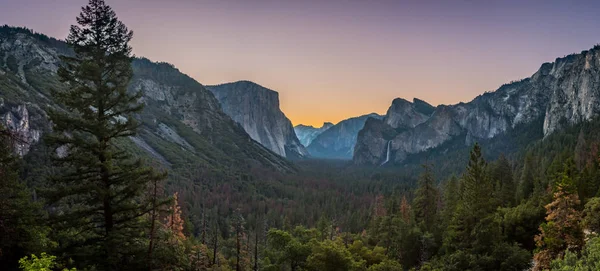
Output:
x=331 y=60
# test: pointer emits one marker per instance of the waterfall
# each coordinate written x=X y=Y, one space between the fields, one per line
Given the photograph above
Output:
x=387 y=155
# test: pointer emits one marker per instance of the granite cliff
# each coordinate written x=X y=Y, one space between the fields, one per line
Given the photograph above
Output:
x=182 y=122
x=561 y=93
x=256 y=109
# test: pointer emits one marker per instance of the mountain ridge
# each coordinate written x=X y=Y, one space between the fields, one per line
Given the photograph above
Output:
x=307 y=133
x=564 y=92
x=182 y=122
x=338 y=141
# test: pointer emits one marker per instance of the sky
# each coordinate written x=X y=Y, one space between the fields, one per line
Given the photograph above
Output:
x=331 y=60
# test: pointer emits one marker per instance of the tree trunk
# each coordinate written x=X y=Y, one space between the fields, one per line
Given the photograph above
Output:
x=152 y=224
x=238 y=247
x=215 y=244
x=256 y=249
x=203 y=227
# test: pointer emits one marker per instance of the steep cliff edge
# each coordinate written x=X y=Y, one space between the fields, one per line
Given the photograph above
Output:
x=563 y=93
x=256 y=109
x=182 y=122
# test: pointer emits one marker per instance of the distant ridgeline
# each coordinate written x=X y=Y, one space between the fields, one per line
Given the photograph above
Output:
x=182 y=121
x=559 y=94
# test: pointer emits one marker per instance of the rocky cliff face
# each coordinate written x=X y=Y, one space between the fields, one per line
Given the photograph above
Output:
x=16 y=119
x=181 y=123
x=564 y=92
x=404 y=114
x=256 y=109
x=338 y=141
x=306 y=134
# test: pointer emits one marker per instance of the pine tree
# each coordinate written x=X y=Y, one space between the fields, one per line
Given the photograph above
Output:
x=239 y=230
x=502 y=176
x=379 y=209
x=405 y=210
x=527 y=184
x=476 y=187
x=450 y=198
x=174 y=222
x=426 y=200
x=473 y=205
x=215 y=240
x=21 y=228
x=99 y=194
x=562 y=229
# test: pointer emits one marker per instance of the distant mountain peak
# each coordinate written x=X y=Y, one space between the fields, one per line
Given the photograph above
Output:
x=307 y=133
x=338 y=141
x=181 y=122
x=561 y=93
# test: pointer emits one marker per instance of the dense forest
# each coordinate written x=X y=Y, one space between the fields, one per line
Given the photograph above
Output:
x=89 y=203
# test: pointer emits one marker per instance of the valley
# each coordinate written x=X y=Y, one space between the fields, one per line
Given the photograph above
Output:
x=110 y=161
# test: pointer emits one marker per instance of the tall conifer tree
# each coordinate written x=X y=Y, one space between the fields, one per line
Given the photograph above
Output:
x=99 y=193
x=527 y=184
x=562 y=229
x=426 y=200
x=505 y=190
x=21 y=228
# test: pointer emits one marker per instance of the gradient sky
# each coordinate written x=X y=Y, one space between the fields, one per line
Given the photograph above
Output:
x=330 y=60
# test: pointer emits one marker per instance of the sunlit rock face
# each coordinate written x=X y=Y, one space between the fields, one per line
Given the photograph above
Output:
x=307 y=133
x=563 y=93
x=339 y=140
x=256 y=109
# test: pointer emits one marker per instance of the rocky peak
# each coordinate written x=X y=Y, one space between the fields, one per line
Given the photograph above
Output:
x=182 y=121
x=256 y=109
x=562 y=93
x=403 y=113
x=575 y=90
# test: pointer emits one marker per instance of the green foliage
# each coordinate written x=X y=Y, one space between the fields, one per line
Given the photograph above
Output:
x=562 y=229
x=591 y=213
x=527 y=183
x=426 y=201
x=521 y=223
x=474 y=205
x=44 y=263
x=331 y=256
x=100 y=189
x=503 y=180
x=588 y=260
x=387 y=265
x=22 y=227
x=285 y=249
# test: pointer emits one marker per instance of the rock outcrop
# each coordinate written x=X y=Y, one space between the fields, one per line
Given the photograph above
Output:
x=338 y=141
x=565 y=92
x=307 y=133
x=256 y=109
x=182 y=121
x=16 y=119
